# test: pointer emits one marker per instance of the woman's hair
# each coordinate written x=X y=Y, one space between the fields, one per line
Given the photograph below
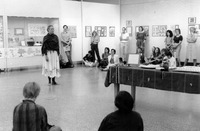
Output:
x=107 y=49
x=141 y=28
x=94 y=33
x=155 y=54
x=31 y=90
x=113 y=50
x=65 y=26
x=178 y=30
x=124 y=28
x=49 y=27
x=168 y=53
x=124 y=101
x=170 y=33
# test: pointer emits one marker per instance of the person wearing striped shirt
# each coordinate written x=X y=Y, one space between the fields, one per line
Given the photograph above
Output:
x=29 y=116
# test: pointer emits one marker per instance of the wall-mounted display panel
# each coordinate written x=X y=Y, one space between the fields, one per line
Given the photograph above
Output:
x=159 y=30
x=101 y=30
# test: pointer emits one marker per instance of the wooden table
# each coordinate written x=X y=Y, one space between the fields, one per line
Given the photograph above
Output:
x=186 y=82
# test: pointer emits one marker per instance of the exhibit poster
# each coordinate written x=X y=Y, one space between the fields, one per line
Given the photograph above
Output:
x=72 y=30
x=159 y=30
x=37 y=29
x=101 y=30
x=112 y=31
x=88 y=31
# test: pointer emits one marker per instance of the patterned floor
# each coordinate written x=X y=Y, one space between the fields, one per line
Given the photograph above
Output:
x=80 y=101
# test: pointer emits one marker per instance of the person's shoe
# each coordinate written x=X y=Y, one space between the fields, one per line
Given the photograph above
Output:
x=54 y=83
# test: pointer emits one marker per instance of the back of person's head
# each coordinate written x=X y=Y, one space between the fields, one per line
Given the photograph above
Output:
x=31 y=90
x=168 y=53
x=90 y=52
x=120 y=59
x=124 y=102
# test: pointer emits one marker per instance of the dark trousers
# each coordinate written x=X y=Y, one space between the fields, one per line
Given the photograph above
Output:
x=95 y=49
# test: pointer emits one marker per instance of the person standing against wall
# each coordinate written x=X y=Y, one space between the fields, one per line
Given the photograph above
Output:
x=177 y=41
x=95 y=39
x=124 y=43
x=66 y=40
x=140 y=44
x=191 y=47
x=50 y=52
x=169 y=40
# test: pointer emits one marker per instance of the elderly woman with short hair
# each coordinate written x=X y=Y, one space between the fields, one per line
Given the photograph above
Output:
x=29 y=116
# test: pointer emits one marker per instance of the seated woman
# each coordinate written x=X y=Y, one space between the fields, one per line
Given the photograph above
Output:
x=170 y=59
x=89 y=60
x=155 y=56
x=113 y=59
x=104 y=61
x=121 y=62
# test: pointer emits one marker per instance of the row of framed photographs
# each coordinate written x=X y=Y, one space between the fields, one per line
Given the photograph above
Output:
x=101 y=30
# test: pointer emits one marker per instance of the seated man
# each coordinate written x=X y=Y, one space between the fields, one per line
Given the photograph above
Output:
x=124 y=119
x=29 y=116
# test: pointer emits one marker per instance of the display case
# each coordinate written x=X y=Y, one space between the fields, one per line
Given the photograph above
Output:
x=24 y=40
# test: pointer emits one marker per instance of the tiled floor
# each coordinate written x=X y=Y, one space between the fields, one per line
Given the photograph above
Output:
x=81 y=101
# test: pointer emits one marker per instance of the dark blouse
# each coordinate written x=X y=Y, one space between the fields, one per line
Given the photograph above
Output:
x=50 y=43
x=141 y=36
x=118 y=121
x=178 y=39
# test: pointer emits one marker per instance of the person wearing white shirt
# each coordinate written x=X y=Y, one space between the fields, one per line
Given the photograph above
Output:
x=171 y=60
x=124 y=38
x=191 y=47
x=113 y=59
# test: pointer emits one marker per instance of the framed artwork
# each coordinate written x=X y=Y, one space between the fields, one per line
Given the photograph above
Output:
x=159 y=30
x=112 y=31
x=129 y=30
x=197 y=29
x=88 y=31
x=37 y=29
x=146 y=29
x=101 y=30
x=73 y=32
x=19 y=31
x=128 y=23
x=192 y=20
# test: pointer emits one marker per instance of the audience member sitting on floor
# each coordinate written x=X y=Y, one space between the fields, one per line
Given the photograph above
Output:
x=89 y=60
x=154 y=58
x=104 y=61
x=113 y=59
x=121 y=62
x=29 y=116
x=124 y=119
x=169 y=60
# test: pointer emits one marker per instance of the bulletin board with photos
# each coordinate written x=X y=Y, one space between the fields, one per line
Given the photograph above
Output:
x=159 y=30
x=146 y=29
x=101 y=30
x=112 y=31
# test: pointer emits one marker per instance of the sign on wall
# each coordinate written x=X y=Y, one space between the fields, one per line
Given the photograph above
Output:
x=88 y=31
x=159 y=30
x=197 y=29
x=37 y=29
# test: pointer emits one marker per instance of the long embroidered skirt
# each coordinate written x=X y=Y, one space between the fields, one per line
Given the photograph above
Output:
x=51 y=68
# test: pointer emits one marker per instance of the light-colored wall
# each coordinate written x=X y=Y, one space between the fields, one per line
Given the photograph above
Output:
x=160 y=12
x=95 y=14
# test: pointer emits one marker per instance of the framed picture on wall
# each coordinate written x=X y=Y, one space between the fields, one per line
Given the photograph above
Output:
x=19 y=31
x=72 y=30
x=159 y=30
x=129 y=23
x=129 y=30
x=192 y=20
x=101 y=30
x=112 y=31
x=88 y=31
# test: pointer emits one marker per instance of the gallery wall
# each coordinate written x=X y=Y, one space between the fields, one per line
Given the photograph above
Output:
x=160 y=12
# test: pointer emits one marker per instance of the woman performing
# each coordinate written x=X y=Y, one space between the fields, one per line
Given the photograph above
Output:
x=50 y=52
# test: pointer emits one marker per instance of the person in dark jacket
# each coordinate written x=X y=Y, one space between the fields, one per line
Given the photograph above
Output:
x=124 y=119
x=50 y=53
